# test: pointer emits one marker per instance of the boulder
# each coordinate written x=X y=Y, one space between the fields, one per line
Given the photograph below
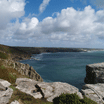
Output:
x=94 y=92
x=5 y=83
x=5 y=92
x=45 y=90
x=28 y=86
x=94 y=73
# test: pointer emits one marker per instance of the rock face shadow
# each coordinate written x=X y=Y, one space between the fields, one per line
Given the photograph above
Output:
x=39 y=90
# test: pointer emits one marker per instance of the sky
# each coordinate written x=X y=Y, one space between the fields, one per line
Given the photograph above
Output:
x=52 y=23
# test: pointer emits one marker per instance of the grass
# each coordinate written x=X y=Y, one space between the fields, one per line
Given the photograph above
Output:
x=2 y=67
x=3 y=55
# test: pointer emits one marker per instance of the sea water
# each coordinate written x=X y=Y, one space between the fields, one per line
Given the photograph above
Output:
x=69 y=67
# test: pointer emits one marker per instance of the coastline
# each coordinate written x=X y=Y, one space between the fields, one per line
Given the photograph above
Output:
x=26 y=69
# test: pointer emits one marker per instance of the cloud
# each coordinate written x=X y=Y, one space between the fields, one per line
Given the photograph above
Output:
x=69 y=27
x=10 y=9
x=43 y=5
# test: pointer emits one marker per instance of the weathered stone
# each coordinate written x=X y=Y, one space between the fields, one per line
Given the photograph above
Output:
x=2 y=88
x=23 y=69
x=43 y=89
x=27 y=70
x=94 y=92
x=15 y=102
x=27 y=85
x=5 y=83
x=94 y=73
x=5 y=93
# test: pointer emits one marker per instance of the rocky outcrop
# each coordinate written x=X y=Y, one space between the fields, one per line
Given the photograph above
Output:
x=94 y=73
x=27 y=70
x=94 y=89
x=94 y=92
x=23 y=69
x=5 y=91
x=45 y=90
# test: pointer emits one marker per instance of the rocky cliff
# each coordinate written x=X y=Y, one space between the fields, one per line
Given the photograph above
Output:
x=23 y=69
x=94 y=89
x=94 y=73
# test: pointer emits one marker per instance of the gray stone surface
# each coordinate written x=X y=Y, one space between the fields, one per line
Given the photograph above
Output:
x=2 y=88
x=94 y=73
x=5 y=83
x=15 y=102
x=5 y=93
x=94 y=92
x=27 y=70
x=43 y=89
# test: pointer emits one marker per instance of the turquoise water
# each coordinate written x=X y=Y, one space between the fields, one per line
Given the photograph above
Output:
x=65 y=66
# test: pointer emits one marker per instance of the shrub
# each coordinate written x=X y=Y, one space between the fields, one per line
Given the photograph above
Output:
x=72 y=99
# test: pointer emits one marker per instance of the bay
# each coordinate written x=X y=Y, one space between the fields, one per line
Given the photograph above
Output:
x=69 y=67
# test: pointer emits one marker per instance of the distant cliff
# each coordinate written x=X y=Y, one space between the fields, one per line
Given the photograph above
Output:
x=37 y=50
x=14 y=53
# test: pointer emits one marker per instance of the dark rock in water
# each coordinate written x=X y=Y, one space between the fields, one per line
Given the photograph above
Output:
x=94 y=73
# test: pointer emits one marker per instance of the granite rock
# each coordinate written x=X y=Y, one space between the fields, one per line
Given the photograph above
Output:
x=45 y=90
x=94 y=92
x=23 y=69
x=94 y=73
x=5 y=92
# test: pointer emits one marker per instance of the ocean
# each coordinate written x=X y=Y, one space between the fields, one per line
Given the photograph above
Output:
x=69 y=67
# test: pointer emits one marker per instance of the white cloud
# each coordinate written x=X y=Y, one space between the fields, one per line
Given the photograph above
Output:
x=10 y=9
x=43 y=5
x=74 y=27
x=25 y=29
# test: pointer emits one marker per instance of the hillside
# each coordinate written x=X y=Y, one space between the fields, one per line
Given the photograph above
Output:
x=37 y=50
x=13 y=53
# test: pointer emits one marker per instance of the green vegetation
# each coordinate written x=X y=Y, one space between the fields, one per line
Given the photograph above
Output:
x=2 y=67
x=3 y=55
x=72 y=99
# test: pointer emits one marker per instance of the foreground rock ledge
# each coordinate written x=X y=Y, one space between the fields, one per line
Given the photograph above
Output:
x=94 y=73
x=5 y=91
x=43 y=89
x=94 y=92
